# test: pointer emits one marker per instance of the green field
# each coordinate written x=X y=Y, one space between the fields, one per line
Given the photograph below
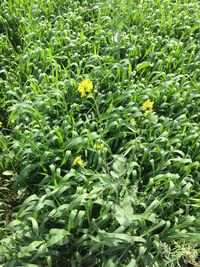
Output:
x=99 y=133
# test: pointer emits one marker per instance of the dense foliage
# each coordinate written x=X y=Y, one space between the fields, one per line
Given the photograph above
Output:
x=100 y=133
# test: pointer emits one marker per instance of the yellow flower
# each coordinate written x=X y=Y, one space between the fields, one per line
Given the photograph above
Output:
x=147 y=112
x=86 y=88
x=133 y=122
x=1 y=124
x=147 y=107
x=78 y=161
x=90 y=96
x=101 y=147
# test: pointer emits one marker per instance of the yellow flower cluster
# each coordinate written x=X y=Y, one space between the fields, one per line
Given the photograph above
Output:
x=1 y=124
x=101 y=147
x=78 y=161
x=133 y=122
x=86 y=88
x=147 y=107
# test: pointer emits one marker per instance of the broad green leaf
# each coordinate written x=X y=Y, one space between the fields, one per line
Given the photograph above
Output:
x=8 y=173
x=75 y=142
x=57 y=236
x=142 y=65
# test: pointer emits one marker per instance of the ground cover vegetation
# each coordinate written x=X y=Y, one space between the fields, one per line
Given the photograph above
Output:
x=99 y=137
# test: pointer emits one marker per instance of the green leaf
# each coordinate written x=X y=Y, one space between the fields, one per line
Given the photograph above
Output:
x=124 y=214
x=117 y=238
x=142 y=65
x=8 y=173
x=75 y=142
x=132 y=263
x=34 y=225
x=32 y=246
x=57 y=236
